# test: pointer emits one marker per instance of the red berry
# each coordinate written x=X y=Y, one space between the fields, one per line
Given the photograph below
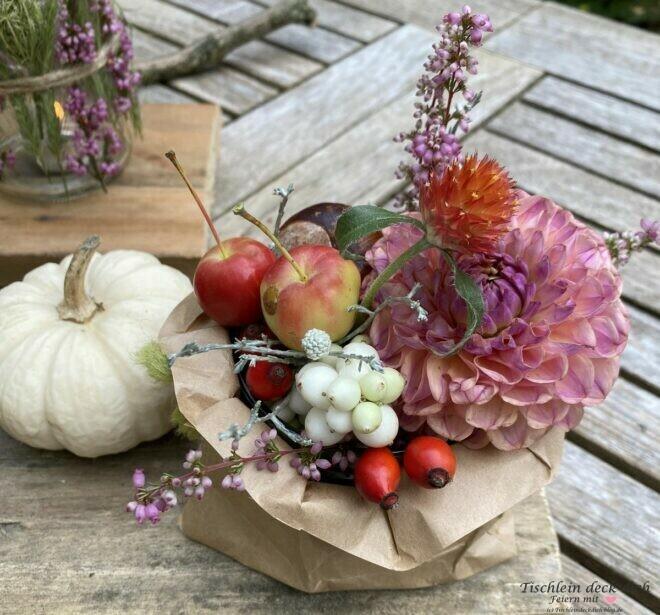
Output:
x=255 y=331
x=269 y=381
x=377 y=476
x=429 y=462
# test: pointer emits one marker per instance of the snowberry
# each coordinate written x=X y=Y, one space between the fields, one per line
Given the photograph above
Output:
x=373 y=386
x=367 y=416
x=394 y=383
x=313 y=382
x=316 y=428
x=344 y=393
x=355 y=368
x=297 y=403
x=385 y=433
x=361 y=338
x=338 y=420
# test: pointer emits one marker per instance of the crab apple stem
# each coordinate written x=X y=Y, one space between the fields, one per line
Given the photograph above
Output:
x=239 y=210
x=172 y=158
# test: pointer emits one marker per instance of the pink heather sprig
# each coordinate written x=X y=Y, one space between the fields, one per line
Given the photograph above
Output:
x=623 y=244
x=74 y=43
x=434 y=142
x=308 y=464
x=151 y=501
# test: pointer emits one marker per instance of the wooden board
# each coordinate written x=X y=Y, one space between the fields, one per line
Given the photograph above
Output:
x=610 y=518
x=259 y=146
x=428 y=13
x=359 y=165
x=146 y=208
x=617 y=117
x=596 y=52
x=598 y=153
x=65 y=527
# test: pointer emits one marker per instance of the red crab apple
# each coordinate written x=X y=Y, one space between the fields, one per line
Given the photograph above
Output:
x=228 y=276
x=227 y=280
x=309 y=288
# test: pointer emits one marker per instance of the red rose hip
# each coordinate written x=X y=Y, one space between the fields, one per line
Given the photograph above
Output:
x=377 y=477
x=269 y=381
x=429 y=462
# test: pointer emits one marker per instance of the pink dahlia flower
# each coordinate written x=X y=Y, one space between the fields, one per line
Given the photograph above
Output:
x=549 y=344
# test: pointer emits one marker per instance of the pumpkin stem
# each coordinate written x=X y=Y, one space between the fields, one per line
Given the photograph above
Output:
x=77 y=306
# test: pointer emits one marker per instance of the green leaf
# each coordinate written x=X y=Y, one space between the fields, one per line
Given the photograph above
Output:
x=470 y=292
x=365 y=219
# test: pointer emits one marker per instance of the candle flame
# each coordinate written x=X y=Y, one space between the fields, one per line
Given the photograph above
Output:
x=59 y=110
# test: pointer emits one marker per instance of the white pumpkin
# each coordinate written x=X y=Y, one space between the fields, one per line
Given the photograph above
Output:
x=68 y=338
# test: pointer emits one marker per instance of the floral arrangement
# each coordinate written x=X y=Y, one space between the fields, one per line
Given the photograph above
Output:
x=67 y=79
x=480 y=314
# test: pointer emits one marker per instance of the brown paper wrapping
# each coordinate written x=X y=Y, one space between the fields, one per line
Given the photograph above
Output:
x=320 y=537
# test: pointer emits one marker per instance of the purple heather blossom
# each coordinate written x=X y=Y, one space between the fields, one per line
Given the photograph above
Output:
x=7 y=160
x=139 y=478
x=74 y=43
x=434 y=143
x=343 y=459
x=623 y=244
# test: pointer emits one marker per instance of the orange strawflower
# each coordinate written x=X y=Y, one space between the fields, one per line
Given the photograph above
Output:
x=470 y=206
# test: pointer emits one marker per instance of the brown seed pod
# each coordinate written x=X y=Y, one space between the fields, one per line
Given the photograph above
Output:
x=317 y=225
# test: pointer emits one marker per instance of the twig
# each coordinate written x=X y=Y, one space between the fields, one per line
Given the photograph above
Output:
x=208 y=51
x=284 y=194
x=413 y=304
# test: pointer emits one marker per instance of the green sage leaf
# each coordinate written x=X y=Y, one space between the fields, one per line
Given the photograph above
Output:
x=470 y=292
x=365 y=219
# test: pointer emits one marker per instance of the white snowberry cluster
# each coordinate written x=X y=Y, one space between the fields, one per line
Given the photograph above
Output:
x=338 y=396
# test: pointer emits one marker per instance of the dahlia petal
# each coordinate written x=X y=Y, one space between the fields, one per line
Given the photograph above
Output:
x=450 y=424
x=490 y=415
x=572 y=418
x=513 y=437
x=540 y=416
x=526 y=393
x=578 y=382
x=478 y=439
x=551 y=370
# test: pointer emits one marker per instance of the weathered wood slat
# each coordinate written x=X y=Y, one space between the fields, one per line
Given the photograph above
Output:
x=258 y=58
x=602 y=154
x=613 y=115
x=258 y=147
x=235 y=92
x=315 y=43
x=347 y=21
x=610 y=517
x=162 y=94
x=359 y=165
x=428 y=13
x=596 y=52
x=625 y=430
x=592 y=198
x=232 y=90
x=607 y=204
x=642 y=355
x=65 y=525
x=576 y=573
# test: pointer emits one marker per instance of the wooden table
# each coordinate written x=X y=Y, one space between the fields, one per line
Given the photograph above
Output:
x=571 y=106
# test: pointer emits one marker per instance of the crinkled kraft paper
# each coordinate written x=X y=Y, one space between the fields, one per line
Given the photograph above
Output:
x=319 y=536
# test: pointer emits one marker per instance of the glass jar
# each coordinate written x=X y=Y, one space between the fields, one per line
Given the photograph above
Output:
x=68 y=107
x=43 y=160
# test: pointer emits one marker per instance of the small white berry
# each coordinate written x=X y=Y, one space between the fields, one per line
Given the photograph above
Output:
x=313 y=382
x=367 y=416
x=316 y=428
x=344 y=393
x=297 y=403
x=394 y=384
x=355 y=368
x=385 y=433
x=373 y=386
x=338 y=420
